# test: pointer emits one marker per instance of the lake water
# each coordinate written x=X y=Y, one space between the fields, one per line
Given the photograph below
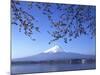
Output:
x=36 y=68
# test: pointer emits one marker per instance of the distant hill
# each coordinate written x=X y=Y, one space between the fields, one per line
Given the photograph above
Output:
x=55 y=53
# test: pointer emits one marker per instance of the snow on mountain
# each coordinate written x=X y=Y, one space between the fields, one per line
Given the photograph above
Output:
x=54 y=53
x=54 y=49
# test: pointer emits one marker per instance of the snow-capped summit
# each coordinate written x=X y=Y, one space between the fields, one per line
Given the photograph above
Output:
x=55 y=53
x=54 y=49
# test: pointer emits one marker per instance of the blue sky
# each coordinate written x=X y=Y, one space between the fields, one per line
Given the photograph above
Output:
x=22 y=46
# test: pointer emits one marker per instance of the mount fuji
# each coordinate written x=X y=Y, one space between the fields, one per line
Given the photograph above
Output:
x=55 y=53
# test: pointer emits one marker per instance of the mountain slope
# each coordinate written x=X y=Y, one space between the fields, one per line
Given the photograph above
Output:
x=55 y=53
